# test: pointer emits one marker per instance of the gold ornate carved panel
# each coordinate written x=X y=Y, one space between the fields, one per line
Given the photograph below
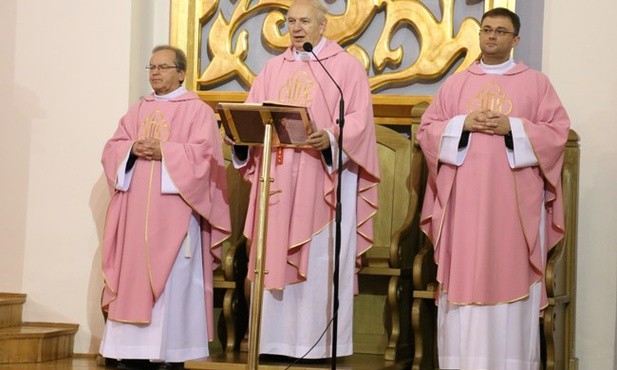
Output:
x=441 y=39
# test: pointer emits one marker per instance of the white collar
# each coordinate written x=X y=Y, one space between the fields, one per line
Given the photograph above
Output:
x=174 y=94
x=497 y=69
x=300 y=55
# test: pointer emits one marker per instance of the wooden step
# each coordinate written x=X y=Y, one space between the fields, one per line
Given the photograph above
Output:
x=11 y=308
x=36 y=342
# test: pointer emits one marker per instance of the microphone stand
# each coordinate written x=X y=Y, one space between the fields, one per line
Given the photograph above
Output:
x=339 y=209
x=337 y=240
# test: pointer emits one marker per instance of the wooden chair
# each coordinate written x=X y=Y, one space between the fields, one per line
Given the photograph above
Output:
x=385 y=278
x=229 y=277
x=557 y=325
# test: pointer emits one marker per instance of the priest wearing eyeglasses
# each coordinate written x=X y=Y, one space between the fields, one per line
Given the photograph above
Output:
x=165 y=223
x=494 y=139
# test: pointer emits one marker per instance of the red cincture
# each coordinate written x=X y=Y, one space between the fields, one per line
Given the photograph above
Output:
x=279 y=155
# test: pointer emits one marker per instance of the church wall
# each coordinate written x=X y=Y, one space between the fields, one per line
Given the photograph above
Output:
x=70 y=69
x=14 y=151
x=579 y=57
x=71 y=62
x=69 y=76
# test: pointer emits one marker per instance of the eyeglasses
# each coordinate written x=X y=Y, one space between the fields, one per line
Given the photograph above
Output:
x=159 y=67
x=500 y=32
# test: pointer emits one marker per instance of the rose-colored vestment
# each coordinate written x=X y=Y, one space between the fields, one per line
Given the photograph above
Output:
x=483 y=217
x=144 y=228
x=303 y=192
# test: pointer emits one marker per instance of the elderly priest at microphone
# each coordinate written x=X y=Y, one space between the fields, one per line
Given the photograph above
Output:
x=301 y=229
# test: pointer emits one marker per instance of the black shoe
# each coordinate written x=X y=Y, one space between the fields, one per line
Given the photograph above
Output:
x=110 y=363
x=124 y=365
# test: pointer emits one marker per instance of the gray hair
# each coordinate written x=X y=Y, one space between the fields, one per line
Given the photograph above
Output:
x=317 y=4
x=180 y=56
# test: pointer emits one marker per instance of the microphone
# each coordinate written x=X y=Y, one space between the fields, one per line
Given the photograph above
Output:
x=308 y=47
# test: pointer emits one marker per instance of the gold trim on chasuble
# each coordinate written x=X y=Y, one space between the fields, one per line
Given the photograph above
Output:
x=155 y=126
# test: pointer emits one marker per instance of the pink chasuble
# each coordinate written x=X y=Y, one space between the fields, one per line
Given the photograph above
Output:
x=483 y=217
x=303 y=193
x=144 y=229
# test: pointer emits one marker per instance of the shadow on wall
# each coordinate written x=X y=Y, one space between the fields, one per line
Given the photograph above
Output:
x=99 y=199
x=20 y=110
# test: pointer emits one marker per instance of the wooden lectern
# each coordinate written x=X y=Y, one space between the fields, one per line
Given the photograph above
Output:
x=270 y=125
x=246 y=123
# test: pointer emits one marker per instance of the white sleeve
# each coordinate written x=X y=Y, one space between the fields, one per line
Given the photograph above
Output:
x=167 y=185
x=236 y=161
x=123 y=178
x=449 y=151
x=522 y=155
x=334 y=150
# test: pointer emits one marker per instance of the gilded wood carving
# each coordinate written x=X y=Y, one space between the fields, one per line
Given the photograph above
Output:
x=440 y=45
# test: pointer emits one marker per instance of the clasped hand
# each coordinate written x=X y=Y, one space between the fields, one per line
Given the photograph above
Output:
x=487 y=122
x=149 y=149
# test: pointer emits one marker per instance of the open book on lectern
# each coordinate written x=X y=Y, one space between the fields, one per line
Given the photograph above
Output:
x=245 y=123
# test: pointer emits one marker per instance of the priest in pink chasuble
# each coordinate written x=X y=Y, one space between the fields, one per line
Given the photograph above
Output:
x=494 y=139
x=165 y=223
x=300 y=236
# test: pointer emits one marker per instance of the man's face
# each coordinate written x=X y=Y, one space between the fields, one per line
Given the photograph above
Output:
x=164 y=81
x=497 y=39
x=304 y=24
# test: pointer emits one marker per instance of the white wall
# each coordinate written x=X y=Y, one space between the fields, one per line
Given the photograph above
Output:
x=579 y=57
x=66 y=73
x=70 y=69
x=16 y=110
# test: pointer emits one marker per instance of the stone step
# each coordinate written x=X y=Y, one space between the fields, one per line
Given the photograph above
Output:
x=11 y=308
x=36 y=342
